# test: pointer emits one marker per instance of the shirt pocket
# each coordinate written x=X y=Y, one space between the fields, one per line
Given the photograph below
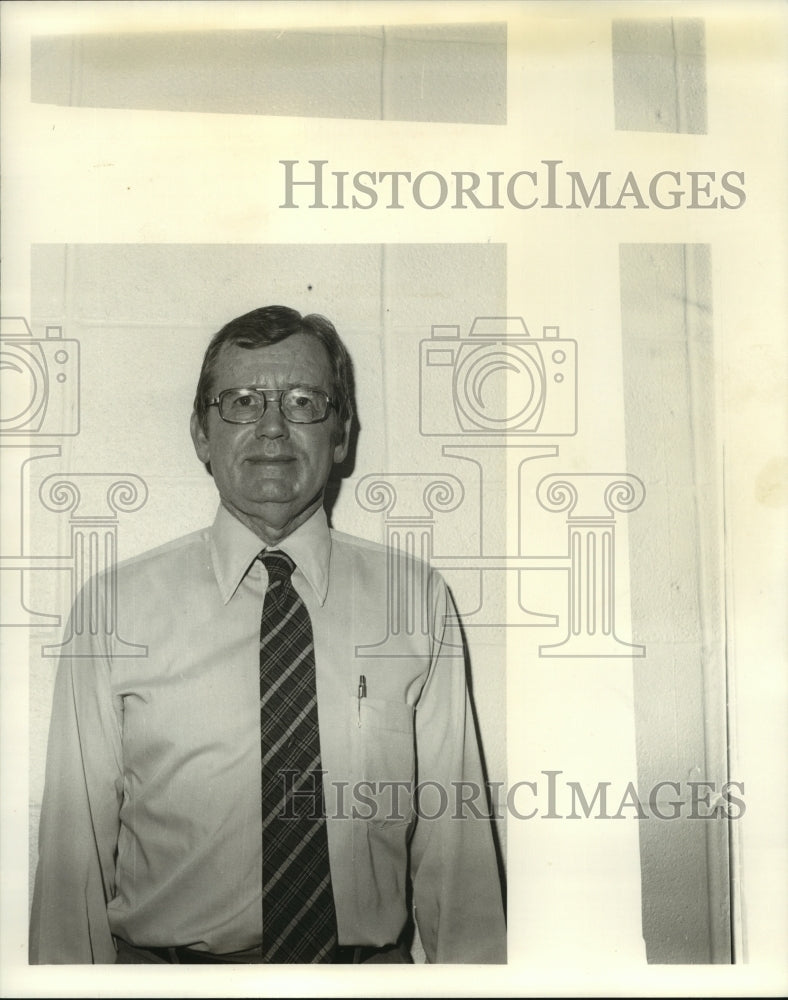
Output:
x=384 y=761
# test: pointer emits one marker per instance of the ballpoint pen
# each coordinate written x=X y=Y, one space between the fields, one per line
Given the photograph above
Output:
x=362 y=693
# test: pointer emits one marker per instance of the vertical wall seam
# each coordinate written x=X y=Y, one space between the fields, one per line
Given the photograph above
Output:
x=677 y=99
x=383 y=54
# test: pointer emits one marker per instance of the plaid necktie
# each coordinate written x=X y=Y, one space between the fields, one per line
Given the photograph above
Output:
x=299 y=921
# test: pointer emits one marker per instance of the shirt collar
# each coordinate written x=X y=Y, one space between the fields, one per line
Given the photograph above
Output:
x=234 y=548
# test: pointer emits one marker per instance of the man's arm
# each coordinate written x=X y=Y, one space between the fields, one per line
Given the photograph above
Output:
x=79 y=817
x=456 y=884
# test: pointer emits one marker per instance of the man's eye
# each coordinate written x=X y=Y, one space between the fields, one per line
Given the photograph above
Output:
x=301 y=400
x=244 y=402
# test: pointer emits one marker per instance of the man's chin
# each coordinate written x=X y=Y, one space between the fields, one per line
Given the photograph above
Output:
x=268 y=489
x=273 y=509
x=276 y=507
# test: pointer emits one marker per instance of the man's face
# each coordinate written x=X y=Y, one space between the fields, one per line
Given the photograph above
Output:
x=271 y=474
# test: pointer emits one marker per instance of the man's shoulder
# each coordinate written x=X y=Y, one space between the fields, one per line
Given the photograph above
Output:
x=377 y=581
x=353 y=544
x=183 y=549
x=377 y=556
x=361 y=550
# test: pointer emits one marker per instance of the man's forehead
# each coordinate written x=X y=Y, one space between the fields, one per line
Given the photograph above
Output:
x=300 y=357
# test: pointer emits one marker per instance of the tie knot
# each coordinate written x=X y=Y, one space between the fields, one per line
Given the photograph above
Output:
x=279 y=566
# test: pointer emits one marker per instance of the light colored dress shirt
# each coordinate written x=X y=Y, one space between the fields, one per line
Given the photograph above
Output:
x=151 y=820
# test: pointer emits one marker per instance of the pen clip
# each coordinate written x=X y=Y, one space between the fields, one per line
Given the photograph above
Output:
x=362 y=693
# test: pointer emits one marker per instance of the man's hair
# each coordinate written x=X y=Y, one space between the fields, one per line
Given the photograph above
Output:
x=270 y=325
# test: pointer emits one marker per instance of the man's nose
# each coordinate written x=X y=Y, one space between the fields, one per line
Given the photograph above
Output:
x=272 y=424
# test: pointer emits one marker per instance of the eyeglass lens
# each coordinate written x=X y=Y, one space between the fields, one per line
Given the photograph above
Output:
x=299 y=406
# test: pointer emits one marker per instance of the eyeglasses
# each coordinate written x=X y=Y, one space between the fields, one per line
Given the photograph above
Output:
x=299 y=405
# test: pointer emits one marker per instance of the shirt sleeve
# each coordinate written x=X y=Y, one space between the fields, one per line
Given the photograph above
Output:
x=457 y=893
x=78 y=832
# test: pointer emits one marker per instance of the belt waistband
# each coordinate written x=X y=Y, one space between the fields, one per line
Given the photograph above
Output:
x=348 y=954
x=344 y=954
x=181 y=955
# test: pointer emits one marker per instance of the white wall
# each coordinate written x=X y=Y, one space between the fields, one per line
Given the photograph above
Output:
x=143 y=316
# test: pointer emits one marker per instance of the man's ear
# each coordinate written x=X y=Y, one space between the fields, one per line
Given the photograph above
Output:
x=200 y=439
x=342 y=445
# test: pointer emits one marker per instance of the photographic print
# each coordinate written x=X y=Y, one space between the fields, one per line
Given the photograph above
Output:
x=394 y=480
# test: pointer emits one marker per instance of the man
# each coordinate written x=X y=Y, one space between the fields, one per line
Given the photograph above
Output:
x=196 y=808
